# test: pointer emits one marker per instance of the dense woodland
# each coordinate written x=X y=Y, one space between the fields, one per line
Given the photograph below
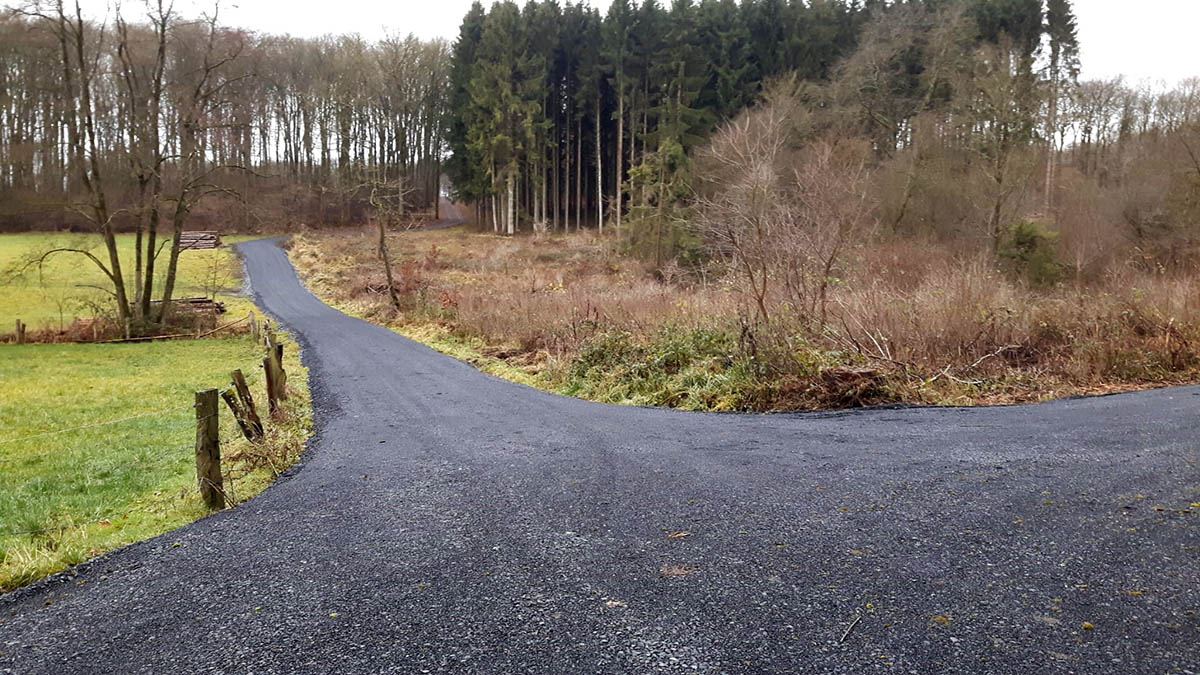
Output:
x=969 y=115
x=778 y=141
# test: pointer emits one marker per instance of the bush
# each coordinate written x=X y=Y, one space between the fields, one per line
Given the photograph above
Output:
x=694 y=369
x=1029 y=248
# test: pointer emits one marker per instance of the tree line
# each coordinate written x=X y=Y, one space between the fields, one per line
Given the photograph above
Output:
x=559 y=116
x=965 y=117
x=950 y=129
x=551 y=106
x=151 y=123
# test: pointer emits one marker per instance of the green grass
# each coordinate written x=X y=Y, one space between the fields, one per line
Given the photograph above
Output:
x=73 y=486
x=65 y=497
x=52 y=296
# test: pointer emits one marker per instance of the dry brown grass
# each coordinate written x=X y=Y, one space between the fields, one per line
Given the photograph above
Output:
x=521 y=295
x=935 y=326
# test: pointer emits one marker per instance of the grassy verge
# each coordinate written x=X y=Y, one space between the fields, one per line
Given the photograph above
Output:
x=62 y=289
x=571 y=314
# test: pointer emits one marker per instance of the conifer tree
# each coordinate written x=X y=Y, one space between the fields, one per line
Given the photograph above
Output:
x=617 y=26
x=721 y=30
x=465 y=165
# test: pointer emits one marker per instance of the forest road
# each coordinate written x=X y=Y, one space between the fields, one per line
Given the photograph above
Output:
x=447 y=521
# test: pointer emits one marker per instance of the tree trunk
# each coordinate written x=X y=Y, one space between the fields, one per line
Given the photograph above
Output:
x=599 y=174
x=387 y=262
x=578 y=171
x=511 y=215
x=620 y=154
x=1047 y=204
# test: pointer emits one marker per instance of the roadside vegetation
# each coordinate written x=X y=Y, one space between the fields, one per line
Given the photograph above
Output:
x=573 y=314
x=922 y=203
x=97 y=440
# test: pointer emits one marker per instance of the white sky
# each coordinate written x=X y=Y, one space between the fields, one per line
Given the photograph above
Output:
x=1147 y=39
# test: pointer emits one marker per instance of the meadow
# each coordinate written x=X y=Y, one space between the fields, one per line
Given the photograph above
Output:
x=96 y=440
x=67 y=285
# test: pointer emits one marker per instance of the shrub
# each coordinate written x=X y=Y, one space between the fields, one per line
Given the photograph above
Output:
x=1028 y=247
x=694 y=369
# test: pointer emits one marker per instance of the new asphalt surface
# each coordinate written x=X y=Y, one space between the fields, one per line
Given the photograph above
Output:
x=447 y=521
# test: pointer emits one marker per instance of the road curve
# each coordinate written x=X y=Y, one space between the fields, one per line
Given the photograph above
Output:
x=448 y=521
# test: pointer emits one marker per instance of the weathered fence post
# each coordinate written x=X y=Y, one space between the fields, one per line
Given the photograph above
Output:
x=269 y=376
x=253 y=327
x=273 y=369
x=240 y=416
x=208 y=450
x=280 y=373
x=243 y=392
x=19 y=335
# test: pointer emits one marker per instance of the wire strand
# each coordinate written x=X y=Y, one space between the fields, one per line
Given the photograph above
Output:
x=254 y=368
x=95 y=424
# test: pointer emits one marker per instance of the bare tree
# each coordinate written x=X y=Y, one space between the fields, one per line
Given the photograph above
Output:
x=144 y=83
x=783 y=209
x=387 y=197
x=994 y=100
x=80 y=48
x=197 y=100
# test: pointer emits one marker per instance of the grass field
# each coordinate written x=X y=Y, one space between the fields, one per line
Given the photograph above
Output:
x=65 y=497
x=52 y=296
x=74 y=485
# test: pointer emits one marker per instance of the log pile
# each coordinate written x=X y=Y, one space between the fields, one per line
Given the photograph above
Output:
x=198 y=240
x=200 y=304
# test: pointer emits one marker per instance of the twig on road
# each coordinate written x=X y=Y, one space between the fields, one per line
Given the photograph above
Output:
x=857 y=618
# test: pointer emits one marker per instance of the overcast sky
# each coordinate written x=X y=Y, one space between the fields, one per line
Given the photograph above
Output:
x=1148 y=39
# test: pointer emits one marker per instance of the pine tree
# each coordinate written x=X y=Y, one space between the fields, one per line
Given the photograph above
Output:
x=616 y=29
x=593 y=104
x=767 y=22
x=730 y=85
x=497 y=130
x=465 y=165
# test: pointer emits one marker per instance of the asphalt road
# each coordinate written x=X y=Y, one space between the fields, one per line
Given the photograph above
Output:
x=447 y=521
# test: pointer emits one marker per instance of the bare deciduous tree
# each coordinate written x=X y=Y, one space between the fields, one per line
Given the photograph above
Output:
x=784 y=217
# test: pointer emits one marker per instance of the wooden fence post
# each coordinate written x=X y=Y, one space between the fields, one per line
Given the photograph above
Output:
x=243 y=392
x=253 y=328
x=280 y=373
x=269 y=376
x=240 y=416
x=20 y=332
x=208 y=450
